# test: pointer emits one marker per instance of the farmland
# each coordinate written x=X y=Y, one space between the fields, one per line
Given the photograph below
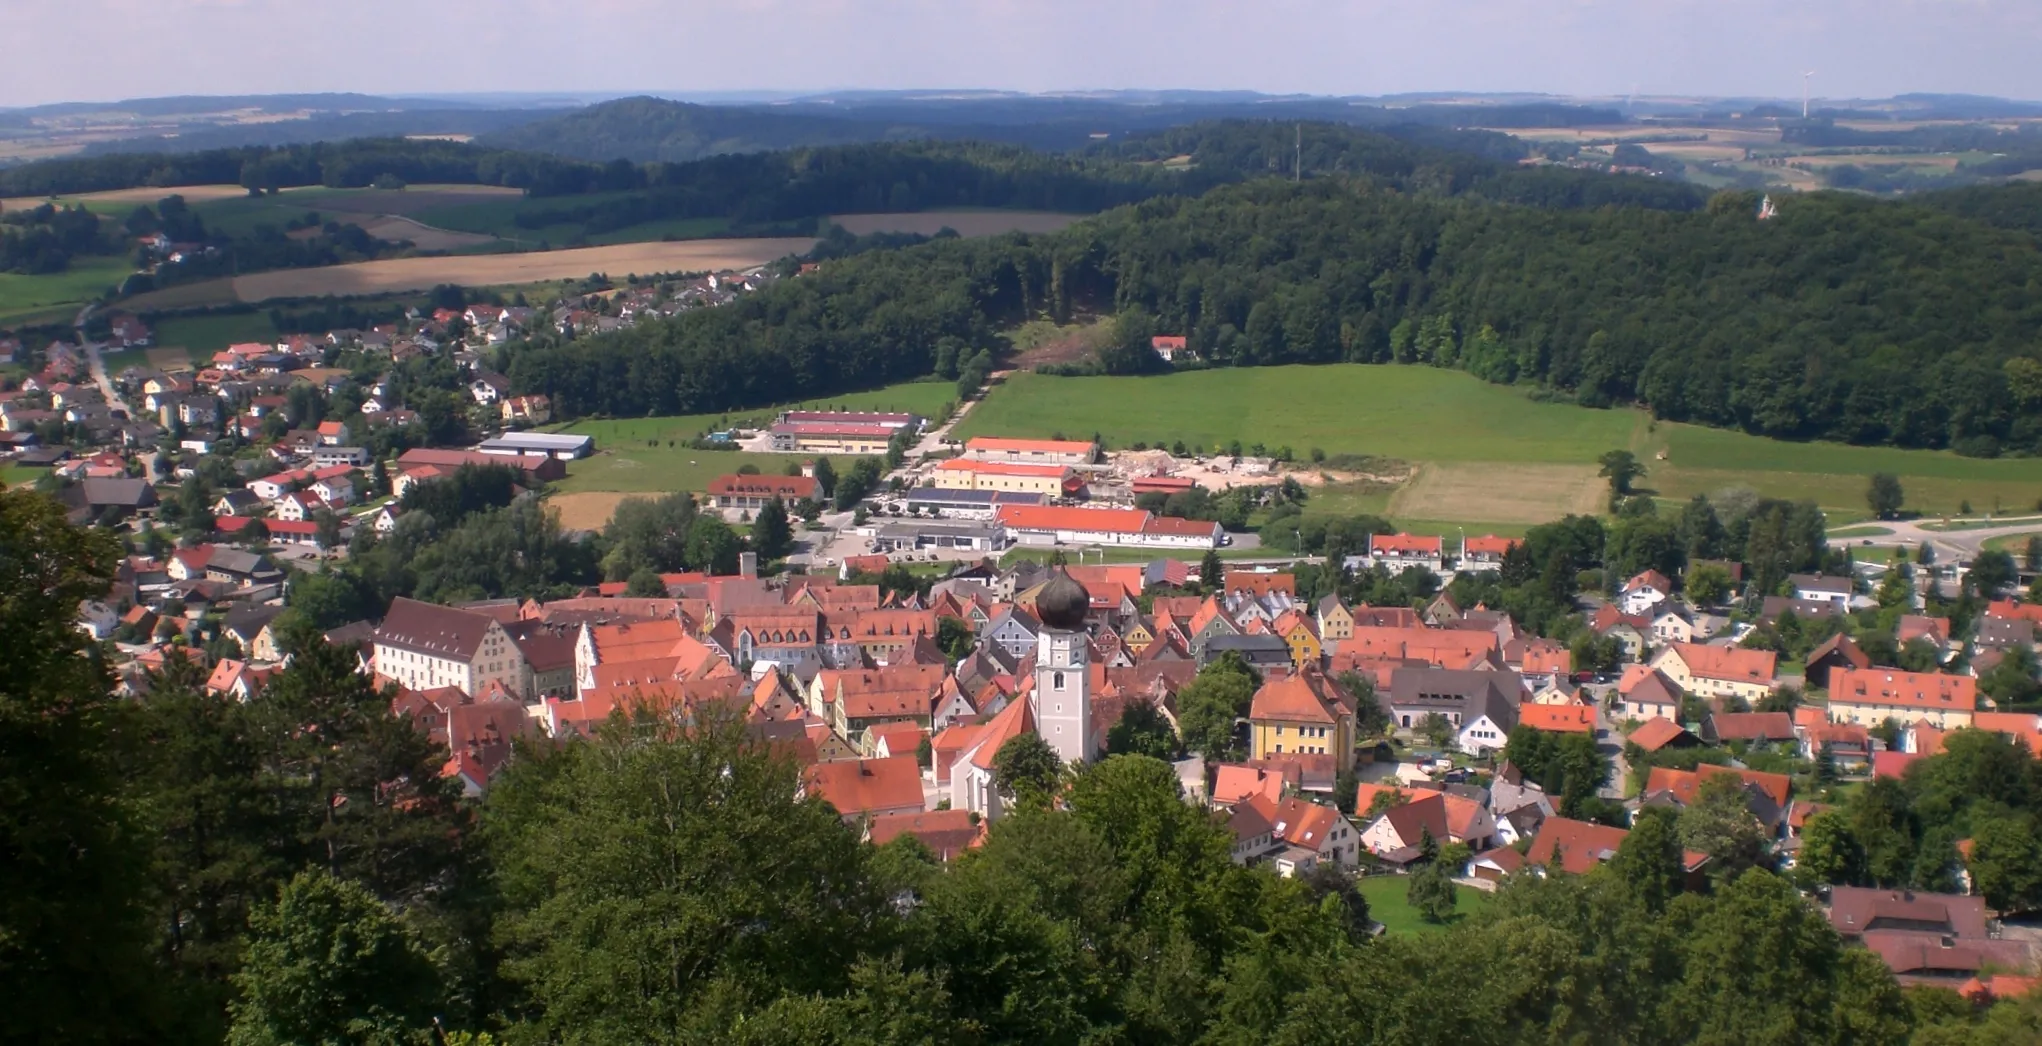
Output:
x=395 y=275
x=1488 y=454
x=57 y=296
x=201 y=336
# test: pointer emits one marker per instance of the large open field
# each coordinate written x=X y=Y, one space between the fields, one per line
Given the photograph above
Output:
x=1488 y=453
x=57 y=296
x=394 y=275
x=121 y=201
x=964 y=223
x=201 y=336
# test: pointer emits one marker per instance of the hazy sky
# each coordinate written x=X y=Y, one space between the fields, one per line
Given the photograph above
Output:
x=66 y=50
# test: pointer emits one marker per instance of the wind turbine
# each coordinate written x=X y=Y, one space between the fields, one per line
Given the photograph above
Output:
x=1804 y=92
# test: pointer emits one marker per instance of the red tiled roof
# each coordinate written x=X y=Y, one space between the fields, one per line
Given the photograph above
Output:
x=1566 y=719
x=947 y=833
x=1490 y=545
x=1049 y=517
x=791 y=488
x=1727 y=663
x=1404 y=544
x=868 y=786
x=1655 y=733
x=1921 y=691
x=1046 y=446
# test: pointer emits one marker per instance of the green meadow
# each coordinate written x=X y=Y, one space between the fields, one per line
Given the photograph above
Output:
x=1490 y=440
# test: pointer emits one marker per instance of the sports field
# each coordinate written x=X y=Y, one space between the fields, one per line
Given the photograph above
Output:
x=1487 y=453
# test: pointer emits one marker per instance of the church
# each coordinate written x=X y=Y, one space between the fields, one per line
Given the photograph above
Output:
x=1057 y=707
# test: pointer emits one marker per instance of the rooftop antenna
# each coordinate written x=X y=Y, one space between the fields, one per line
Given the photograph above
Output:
x=1804 y=93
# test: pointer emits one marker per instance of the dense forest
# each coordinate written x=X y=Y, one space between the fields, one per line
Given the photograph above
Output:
x=1845 y=318
x=294 y=869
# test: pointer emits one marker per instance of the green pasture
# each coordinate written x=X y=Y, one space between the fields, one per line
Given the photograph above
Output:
x=57 y=296
x=204 y=335
x=1423 y=414
x=499 y=218
x=12 y=475
x=1387 y=904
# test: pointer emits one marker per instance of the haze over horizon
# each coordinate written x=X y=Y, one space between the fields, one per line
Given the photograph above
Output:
x=1866 y=49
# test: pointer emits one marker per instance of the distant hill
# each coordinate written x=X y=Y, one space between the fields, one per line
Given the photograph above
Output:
x=653 y=129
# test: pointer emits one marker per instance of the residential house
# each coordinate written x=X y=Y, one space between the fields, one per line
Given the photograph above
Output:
x=1644 y=591
x=1558 y=719
x=1659 y=732
x=1336 y=622
x=333 y=433
x=1758 y=728
x=1646 y=693
x=1838 y=651
x=1924 y=938
x=1871 y=696
x=489 y=388
x=1835 y=591
x=527 y=410
x=1395 y=552
x=1718 y=671
x=1303 y=712
x=1481 y=706
x=868 y=788
x=947 y=833
x=1395 y=834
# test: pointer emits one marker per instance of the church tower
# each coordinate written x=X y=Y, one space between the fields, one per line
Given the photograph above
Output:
x=1062 y=701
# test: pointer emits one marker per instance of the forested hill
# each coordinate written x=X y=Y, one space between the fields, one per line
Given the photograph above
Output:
x=656 y=130
x=1845 y=318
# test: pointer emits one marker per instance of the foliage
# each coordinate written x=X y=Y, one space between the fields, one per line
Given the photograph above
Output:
x=327 y=963
x=1211 y=706
x=1621 y=468
x=1568 y=766
x=1884 y=496
x=772 y=535
x=1143 y=730
x=72 y=936
x=1025 y=771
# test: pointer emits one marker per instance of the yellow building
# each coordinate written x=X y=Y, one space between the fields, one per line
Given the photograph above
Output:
x=1053 y=481
x=1870 y=696
x=1296 y=630
x=1717 y=671
x=1303 y=713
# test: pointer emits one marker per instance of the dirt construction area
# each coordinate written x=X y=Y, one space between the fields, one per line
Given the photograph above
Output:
x=397 y=275
x=1499 y=492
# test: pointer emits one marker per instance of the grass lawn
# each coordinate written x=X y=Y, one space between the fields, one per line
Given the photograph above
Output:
x=1860 y=532
x=1498 y=455
x=202 y=336
x=1386 y=904
x=2014 y=543
x=60 y=294
x=12 y=475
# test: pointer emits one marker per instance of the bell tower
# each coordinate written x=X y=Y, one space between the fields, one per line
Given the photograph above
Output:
x=1062 y=698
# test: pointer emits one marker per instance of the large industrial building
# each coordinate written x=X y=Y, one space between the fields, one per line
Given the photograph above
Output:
x=839 y=432
x=1048 y=480
x=562 y=445
x=1031 y=451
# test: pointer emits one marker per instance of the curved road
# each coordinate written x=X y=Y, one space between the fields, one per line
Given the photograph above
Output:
x=1959 y=544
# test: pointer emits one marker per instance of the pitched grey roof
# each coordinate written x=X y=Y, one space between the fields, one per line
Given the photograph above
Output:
x=427 y=628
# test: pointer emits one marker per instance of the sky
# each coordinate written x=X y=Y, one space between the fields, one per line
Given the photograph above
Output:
x=1857 y=48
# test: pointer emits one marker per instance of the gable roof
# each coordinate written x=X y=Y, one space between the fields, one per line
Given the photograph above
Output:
x=1658 y=732
x=1565 y=719
x=1576 y=846
x=1300 y=697
x=428 y=628
x=1751 y=726
x=1734 y=664
x=862 y=786
x=1919 y=691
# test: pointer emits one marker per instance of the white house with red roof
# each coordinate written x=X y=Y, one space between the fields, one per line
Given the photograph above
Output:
x=1645 y=591
x=1395 y=552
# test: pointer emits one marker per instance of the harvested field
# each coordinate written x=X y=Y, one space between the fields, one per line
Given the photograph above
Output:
x=146 y=194
x=421 y=235
x=394 y=275
x=1500 y=492
x=966 y=223
x=589 y=509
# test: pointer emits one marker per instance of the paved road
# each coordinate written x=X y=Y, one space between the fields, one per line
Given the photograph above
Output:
x=97 y=366
x=1949 y=544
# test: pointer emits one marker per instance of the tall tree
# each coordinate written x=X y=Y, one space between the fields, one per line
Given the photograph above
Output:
x=1884 y=495
x=328 y=963
x=1025 y=770
x=772 y=534
x=73 y=945
x=1621 y=468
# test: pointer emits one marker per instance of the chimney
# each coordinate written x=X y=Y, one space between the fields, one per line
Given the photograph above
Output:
x=748 y=564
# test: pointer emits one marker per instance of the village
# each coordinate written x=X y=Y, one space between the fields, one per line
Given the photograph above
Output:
x=1375 y=740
